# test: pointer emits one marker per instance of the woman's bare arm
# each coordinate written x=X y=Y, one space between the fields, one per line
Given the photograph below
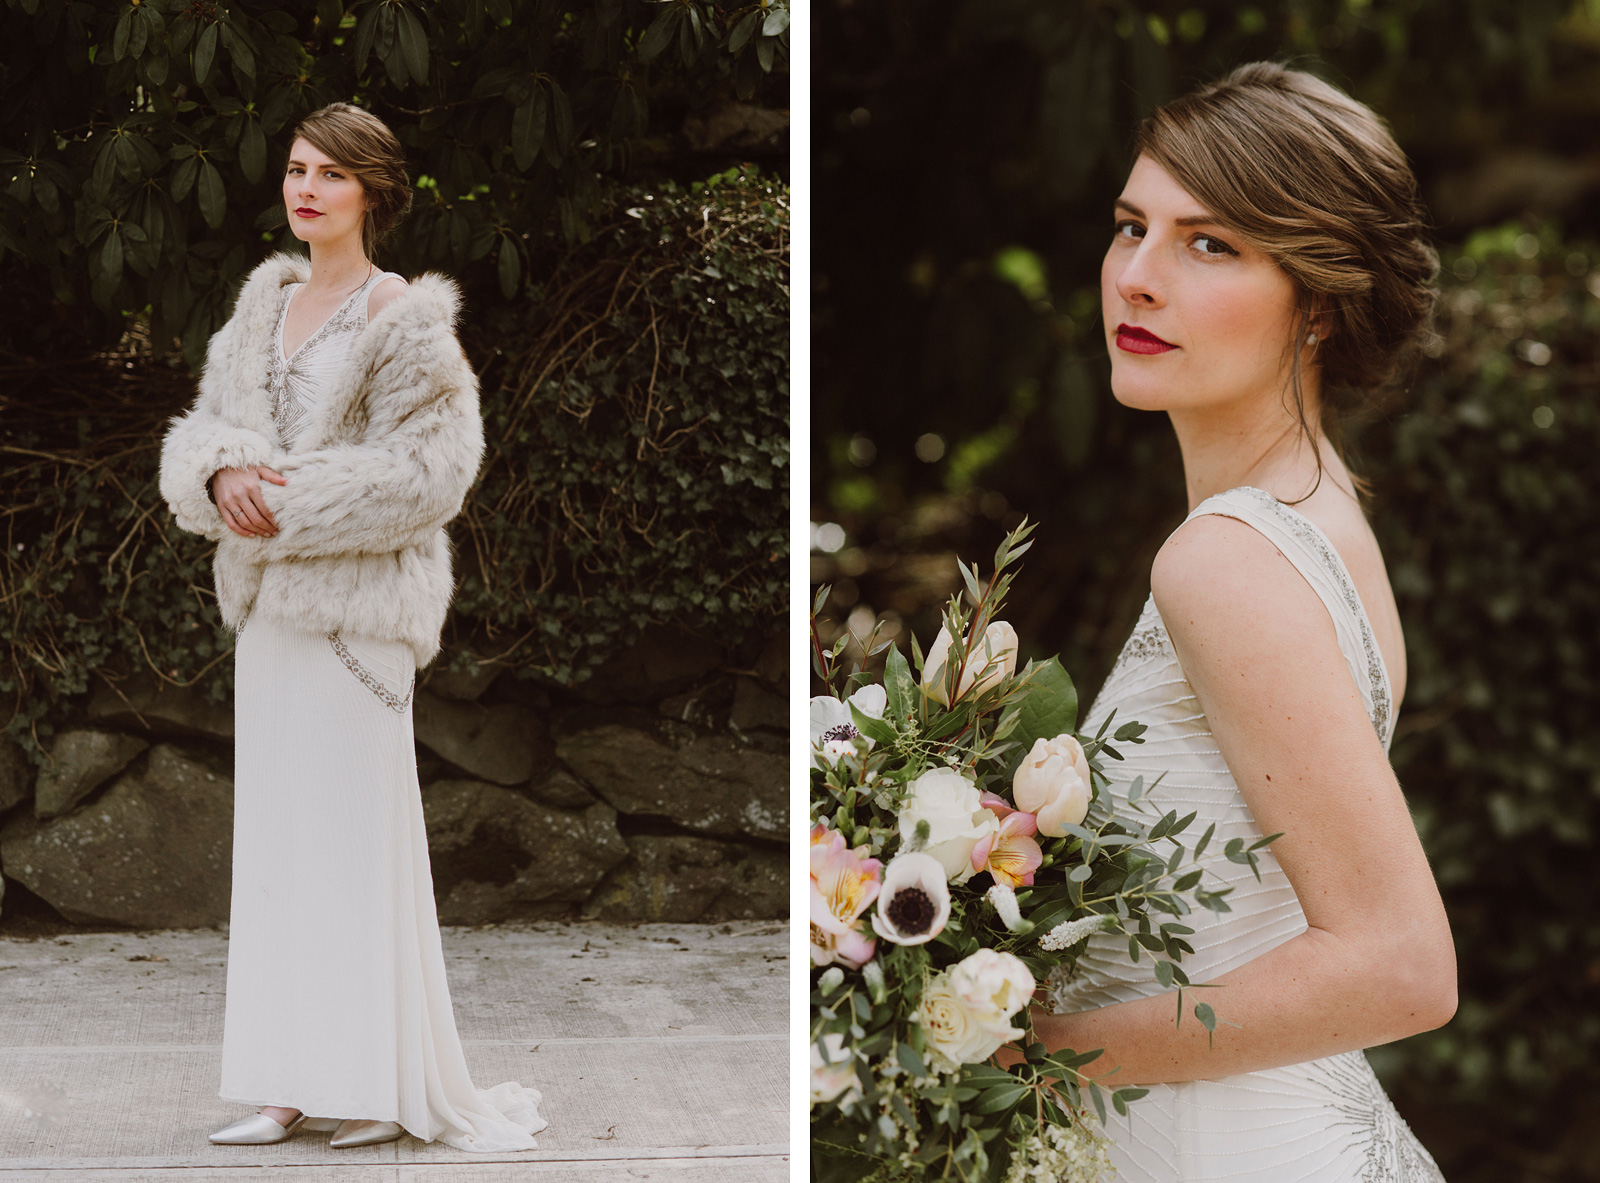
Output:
x=1377 y=962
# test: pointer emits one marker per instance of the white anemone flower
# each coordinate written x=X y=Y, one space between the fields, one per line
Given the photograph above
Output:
x=833 y=728
x=914 y=901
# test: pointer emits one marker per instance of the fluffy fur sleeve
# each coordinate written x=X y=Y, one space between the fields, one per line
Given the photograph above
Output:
x=407 y=476
x=213 y=435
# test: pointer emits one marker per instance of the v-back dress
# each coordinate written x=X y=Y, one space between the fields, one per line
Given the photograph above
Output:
x=1324 y=1121
x=337 y=1001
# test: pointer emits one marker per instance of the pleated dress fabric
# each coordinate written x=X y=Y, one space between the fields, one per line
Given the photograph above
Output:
x=1324 y=1121
x=337 y=1000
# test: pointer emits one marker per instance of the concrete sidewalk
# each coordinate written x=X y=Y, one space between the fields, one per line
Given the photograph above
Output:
x=661 y=1051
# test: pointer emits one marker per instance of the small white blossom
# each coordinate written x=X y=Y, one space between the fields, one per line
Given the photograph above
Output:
x=1004 y=900
x=1064 y=936
x=1062 y=1154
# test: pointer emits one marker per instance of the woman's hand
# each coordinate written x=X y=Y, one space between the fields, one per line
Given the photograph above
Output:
x=238 y=495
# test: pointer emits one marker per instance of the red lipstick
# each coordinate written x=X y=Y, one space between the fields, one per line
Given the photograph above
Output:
x=1132 y=339
x=305 y=211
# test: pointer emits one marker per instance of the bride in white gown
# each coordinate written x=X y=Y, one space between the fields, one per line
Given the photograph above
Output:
x=343 y=388
x=1267 y=267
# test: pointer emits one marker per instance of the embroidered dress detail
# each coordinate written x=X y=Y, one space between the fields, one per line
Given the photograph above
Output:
x=368 y=679
x=296 y=381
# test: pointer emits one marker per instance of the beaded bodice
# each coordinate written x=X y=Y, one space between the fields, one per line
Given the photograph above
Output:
x=297 y=381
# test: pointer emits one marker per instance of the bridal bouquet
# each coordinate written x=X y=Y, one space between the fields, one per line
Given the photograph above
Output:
x=963 y=848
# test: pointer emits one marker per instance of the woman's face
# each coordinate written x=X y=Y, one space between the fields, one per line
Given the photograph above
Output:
x=324 y=201
x=1195 y=317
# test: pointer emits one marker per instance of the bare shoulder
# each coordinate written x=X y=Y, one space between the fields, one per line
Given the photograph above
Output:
x=1232 y=603
x=1215 y=564
x=384 y=294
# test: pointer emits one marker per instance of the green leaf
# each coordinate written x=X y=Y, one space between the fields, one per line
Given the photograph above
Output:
x=659 y=35
x=777 y=21
x=743 y=29
x=899 y=685
x=414 y=44
x=510 y=268
x=366 y=31
x=252 y=150
x=119 y=38
x=561 y=108
x=527 y=128
x=183 y=177
x=880 y=730
x=1000 y=1098
x=138 y=32
x=111 y=255
x=1050 y=707
x=910 y=1060
x=205 y=52
x=1122 y=1097
x=213 y=197
x=239 y=52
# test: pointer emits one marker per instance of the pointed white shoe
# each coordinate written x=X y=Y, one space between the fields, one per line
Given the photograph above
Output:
x=358 y=1131
x=256 y=1130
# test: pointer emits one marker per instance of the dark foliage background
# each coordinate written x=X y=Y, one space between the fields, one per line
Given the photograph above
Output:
x=142 y=141
x=628 y=316
x=965 y=158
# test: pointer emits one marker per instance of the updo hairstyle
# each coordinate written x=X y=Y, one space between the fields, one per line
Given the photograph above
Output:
x=1315 y=180
x=362 y=144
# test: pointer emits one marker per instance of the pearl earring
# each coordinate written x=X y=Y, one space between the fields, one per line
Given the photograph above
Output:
x=1311 y=338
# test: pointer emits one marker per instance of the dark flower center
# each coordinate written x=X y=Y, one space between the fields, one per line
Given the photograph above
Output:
x=842 y=731
x=911 y=911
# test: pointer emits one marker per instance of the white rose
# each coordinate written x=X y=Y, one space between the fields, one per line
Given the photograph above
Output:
x=833 y=1070
x=993 y=986
x=1052 y=783
x=951 y=805
x=989 y=662
x=951 y=1031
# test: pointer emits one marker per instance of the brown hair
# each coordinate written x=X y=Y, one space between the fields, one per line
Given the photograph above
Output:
x=362 y=144
x=1315 y=180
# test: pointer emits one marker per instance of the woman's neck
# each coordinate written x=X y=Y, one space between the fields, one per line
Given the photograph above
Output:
x=1258 y=443
x=339 y=266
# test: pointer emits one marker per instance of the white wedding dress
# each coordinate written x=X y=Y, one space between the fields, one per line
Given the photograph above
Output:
x=1324 y=1121
x=337 y=1002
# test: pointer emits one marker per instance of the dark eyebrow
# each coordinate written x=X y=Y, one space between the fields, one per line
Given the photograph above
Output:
x=1196 y=220
x=330 y=164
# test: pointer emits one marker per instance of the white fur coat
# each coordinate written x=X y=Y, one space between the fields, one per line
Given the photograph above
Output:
x=380 y=465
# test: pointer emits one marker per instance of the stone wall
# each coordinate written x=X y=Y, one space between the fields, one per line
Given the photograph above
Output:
x=655 y=791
